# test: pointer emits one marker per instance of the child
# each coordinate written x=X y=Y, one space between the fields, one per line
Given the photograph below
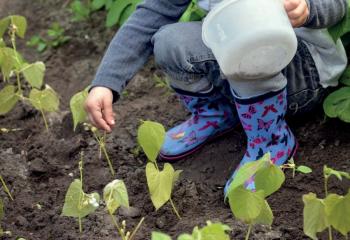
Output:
x=260 y=105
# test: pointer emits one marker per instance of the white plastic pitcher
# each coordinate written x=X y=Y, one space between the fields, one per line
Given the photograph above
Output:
x=250 y=39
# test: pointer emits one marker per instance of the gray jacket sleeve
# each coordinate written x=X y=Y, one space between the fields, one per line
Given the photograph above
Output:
x=131 y=46
x=325 y=13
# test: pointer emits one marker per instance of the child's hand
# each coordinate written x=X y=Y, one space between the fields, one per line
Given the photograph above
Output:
x=99 y=108
x=298 y=11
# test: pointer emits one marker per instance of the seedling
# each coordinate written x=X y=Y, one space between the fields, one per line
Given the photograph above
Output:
x=115 y=195
x=331 y=212
x=6 y=130
x=251 y=206
x=163 y=83
x=151 y=136
x=217 y=231
x=81 y=11
x=300 y=168
x=77 y=203
x=80 y=115
x=12 y=63
x=55 y=38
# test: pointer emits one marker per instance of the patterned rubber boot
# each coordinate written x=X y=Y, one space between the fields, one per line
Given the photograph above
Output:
x=212 y=116
x=263 y=120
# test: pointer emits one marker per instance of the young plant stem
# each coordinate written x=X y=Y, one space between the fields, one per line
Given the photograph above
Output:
x=330 y=234
x=80 y=225
x=136 y=229
x=82 y=193
x=45 y=121
x=101 y=143
x=13 y=42
x=249 y=231
x=5 y=187
x=122 y=235
x=174 y=208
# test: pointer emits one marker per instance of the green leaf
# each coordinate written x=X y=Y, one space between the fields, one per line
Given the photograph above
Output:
x=2 y=43
x=304 y=169
x=97 y=4
x=270 y=179
x=245 y=204
x=338 y=212
x=115 y=12
x=151 y=136
x=34 y=73
x=21 y=24
x=45 y=100
x=109 y=4
x=77 y=203
x=193 y=13
x=8 y=99
x=337 y=104
x=160 y=236
x=4 y=24
x=77 y=107
x=266 y=216
x=248 y=170
x=339 y=174
x=215 y=231
x=115 y=195
x=7 y=61
x=128 y=11
x=160 y=183
x=341 y=28
x=80 y=11
x=345 y=78
x=315 y=219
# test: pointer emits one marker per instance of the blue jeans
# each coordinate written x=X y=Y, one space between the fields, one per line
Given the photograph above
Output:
x=192 y=67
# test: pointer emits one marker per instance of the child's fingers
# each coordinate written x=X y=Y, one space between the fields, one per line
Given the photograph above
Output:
x=290 y=5
x=108 y=111
x=297 y=22
x=298 y=12
x=97 y=120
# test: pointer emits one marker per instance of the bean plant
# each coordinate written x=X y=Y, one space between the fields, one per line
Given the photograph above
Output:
x=55 y=38
x=217 y=231
x=42 y=98
x=160 y=183
x=80 y=116
x=333 y=211
x=336 y=105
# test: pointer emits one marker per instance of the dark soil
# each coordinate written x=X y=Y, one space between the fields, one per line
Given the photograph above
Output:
x=39 y=165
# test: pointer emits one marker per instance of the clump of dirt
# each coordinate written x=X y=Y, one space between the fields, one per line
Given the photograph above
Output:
x=39 y=165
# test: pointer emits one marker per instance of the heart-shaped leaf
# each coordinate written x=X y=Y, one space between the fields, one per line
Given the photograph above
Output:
x=77 y=107
x=8 y=99
x=115 y=195
x=266 y=216
x=160 y=183
x=315 y=219
x=338 y=212
x=20 y=23
x=245 y=204
x=160 y=236
x=77 y=203
x=269 y=178
x=151 y=136
x=337 y=104
x=34 y=74
x=45 y=100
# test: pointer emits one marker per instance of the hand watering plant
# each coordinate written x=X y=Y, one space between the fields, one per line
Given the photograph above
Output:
x=44 y=99
x=160 y=182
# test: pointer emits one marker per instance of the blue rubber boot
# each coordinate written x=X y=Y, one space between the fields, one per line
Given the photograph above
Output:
x=212 y=116
x=263 y=120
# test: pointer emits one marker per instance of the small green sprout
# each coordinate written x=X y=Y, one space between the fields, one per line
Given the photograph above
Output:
x=331 y=212
x=115 y=195
x=55 y=38
x=5 y=187
x=300 y=168
x=151 y=136
x=217 y=231
x=249 y=206
x=77 y=203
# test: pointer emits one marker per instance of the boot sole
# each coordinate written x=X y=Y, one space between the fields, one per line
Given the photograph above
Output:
x=164 y=158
